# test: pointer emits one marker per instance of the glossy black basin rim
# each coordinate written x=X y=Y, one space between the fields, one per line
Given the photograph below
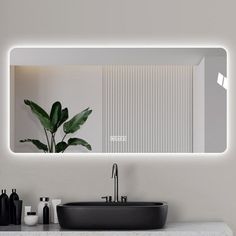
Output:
x=123 y=216
x=114 y=204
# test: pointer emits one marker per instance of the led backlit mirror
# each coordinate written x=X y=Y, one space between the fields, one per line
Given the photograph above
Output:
x=139 y=100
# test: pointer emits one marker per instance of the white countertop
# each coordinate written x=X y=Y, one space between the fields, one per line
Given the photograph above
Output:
x=171 y=229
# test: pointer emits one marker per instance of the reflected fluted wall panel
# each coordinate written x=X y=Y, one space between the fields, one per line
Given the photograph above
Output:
x=147 y=108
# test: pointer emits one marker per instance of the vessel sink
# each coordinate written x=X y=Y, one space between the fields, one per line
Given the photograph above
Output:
x=99 y=215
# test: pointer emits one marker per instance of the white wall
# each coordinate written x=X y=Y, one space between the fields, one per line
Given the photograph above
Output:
x=196 y=188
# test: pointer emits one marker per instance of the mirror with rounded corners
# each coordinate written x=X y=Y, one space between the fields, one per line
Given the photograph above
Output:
x=118 y=100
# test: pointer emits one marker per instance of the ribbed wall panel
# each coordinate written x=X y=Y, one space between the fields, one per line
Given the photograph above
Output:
x=150 y=105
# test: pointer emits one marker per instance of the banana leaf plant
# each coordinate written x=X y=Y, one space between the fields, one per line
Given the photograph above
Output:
x=51 y=124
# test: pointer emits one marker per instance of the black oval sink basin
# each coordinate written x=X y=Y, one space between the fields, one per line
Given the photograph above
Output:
x=99 y=215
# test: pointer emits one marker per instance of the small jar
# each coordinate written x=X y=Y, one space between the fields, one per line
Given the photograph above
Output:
x=31 y=219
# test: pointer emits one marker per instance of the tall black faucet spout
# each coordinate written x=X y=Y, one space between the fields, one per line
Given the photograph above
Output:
x=116 y=182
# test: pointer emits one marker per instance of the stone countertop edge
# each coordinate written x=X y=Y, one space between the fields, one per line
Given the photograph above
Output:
x=182 y=228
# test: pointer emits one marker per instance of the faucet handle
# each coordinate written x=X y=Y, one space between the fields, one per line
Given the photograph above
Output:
x=123 y=198
x=107 y=198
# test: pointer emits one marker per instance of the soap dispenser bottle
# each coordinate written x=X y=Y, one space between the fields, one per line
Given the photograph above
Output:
x=43 y=201
x=46 y=214
x=4 y=208
x=13 y=196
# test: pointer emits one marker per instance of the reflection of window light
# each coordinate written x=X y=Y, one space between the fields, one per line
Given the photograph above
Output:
x=225 y=84
x=222 y=81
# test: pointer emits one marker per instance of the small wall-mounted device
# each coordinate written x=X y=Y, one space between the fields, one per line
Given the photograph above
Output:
x=118 y=138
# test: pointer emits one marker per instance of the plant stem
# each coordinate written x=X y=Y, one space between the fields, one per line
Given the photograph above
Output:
x=63 y=137
x=47 y=139
x=51 y=143
x=53 y=136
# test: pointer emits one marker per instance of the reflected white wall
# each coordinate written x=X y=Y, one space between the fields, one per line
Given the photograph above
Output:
x=199 y=107
x=76 y=87
x=215 y=106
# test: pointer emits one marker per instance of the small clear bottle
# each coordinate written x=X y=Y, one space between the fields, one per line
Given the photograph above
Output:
x=43 y=201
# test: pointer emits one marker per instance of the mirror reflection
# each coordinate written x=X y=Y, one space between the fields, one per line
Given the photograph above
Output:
x=118 y=100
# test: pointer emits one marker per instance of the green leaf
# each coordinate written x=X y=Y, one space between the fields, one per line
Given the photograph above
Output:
x=61 y=147
x=55 y=115
x=37 y=143
x=79 y=141
x=64 y=117
x=74 y=124
x=40 y=114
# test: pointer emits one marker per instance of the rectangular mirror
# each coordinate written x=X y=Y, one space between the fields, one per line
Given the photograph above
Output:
x=122 y=100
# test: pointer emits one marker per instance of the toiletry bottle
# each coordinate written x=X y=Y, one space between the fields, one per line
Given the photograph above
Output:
x=4 y=208
x=41 y=205
x=18 y=206
x=46 y=214
x=13 y=197
x=55 y=203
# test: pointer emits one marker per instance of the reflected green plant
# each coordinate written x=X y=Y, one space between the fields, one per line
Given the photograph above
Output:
x=51 y=123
